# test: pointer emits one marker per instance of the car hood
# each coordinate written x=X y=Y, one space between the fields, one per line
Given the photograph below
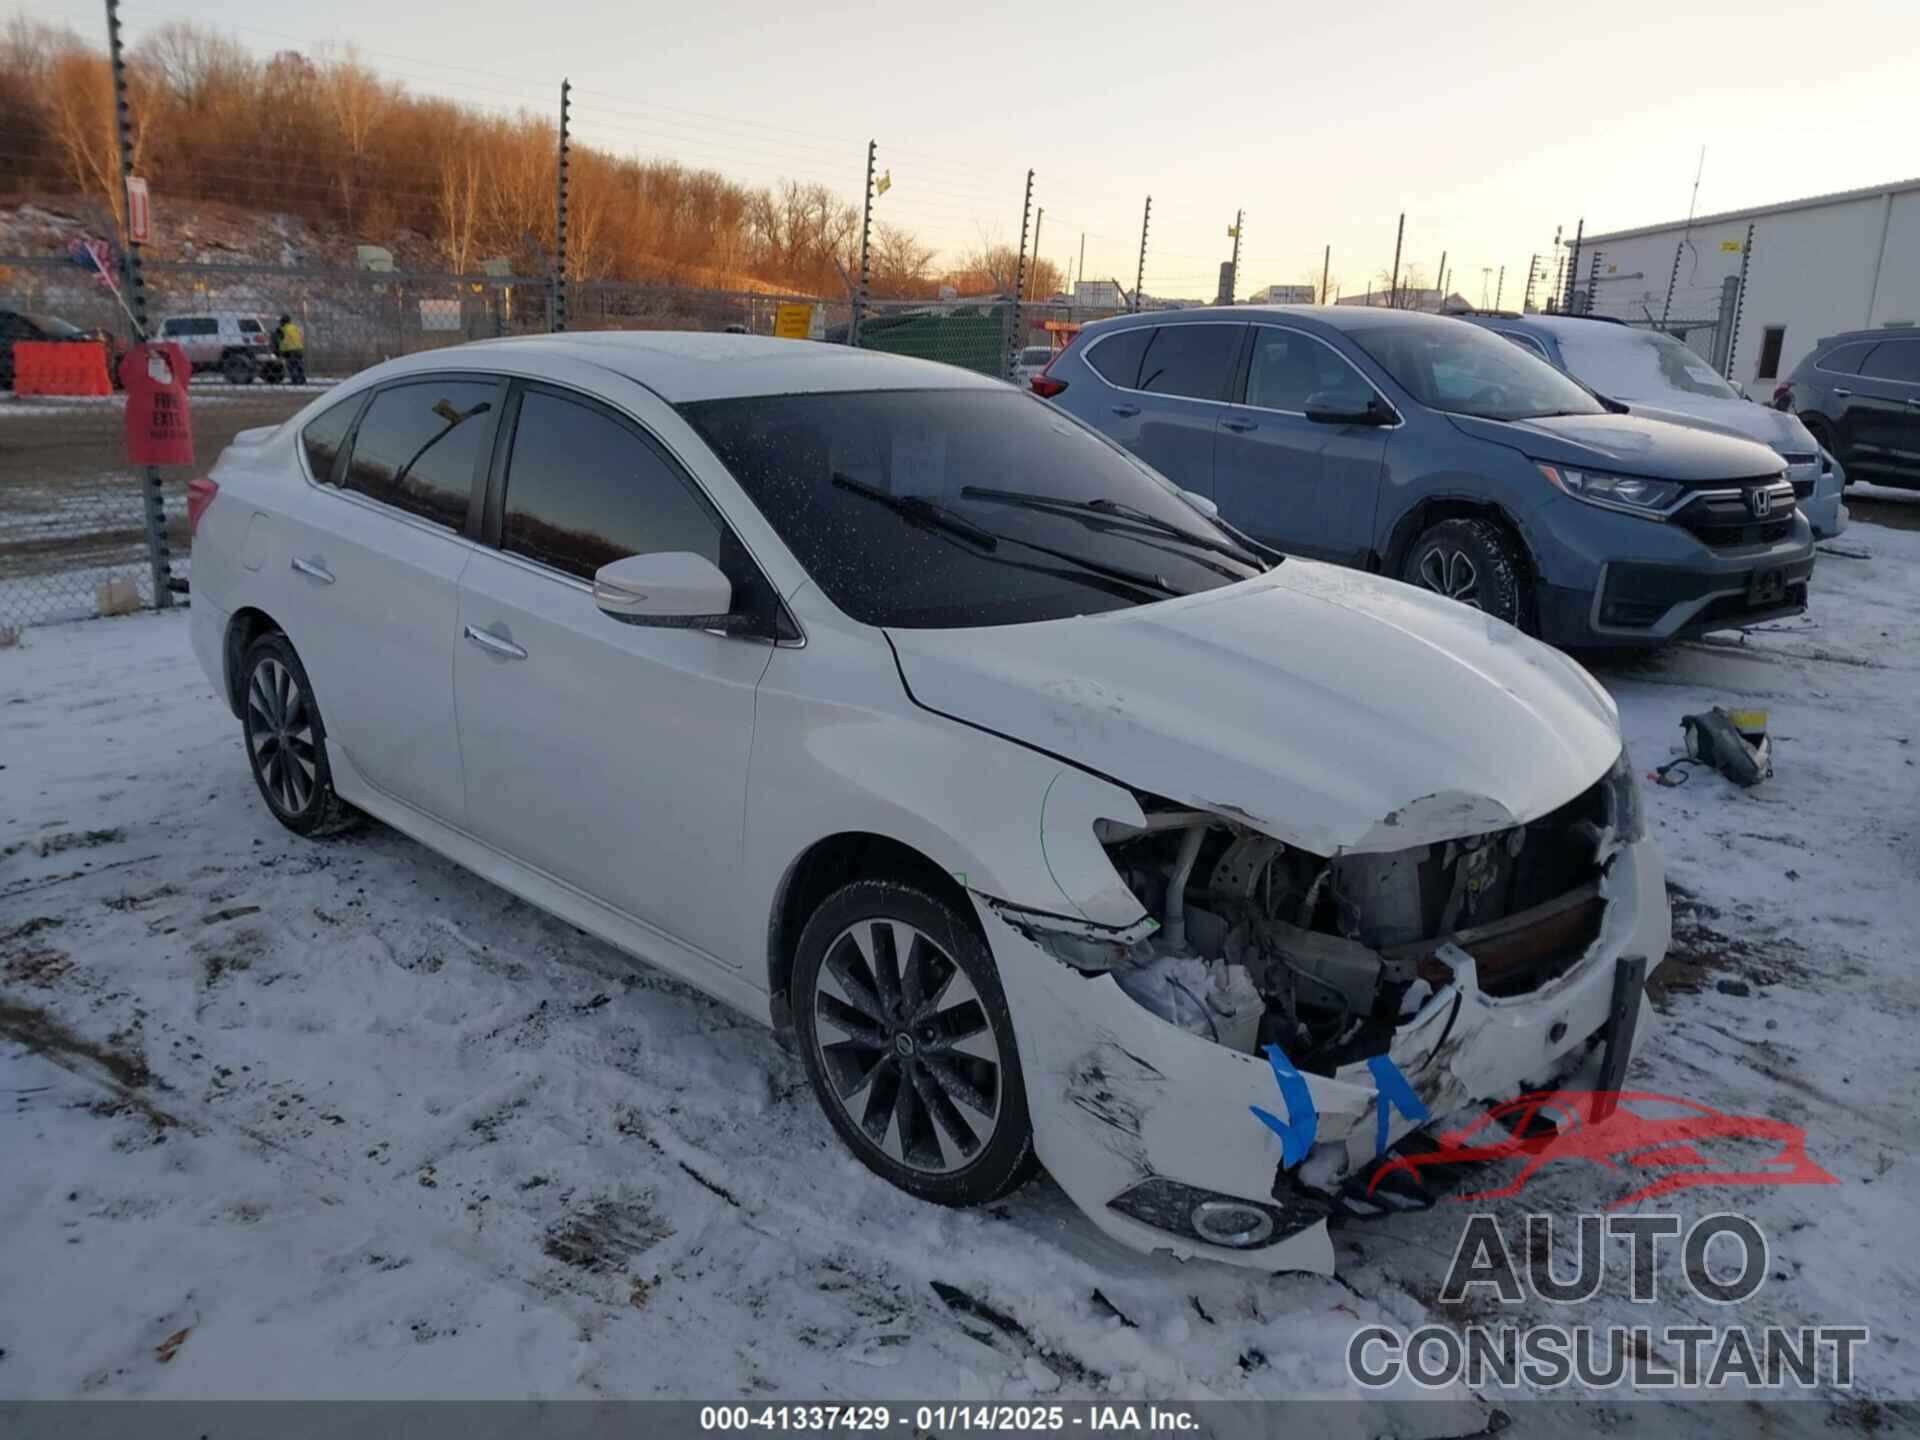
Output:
x=1630 y=444
x=1331 y=709
x=1743 y=419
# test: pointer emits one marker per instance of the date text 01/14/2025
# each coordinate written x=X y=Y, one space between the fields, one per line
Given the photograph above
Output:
x=979 y=1419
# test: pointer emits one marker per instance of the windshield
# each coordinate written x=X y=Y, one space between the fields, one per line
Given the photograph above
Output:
x=53 y=325
x=1629 y=364
x=930 y=509
x=1459 y=367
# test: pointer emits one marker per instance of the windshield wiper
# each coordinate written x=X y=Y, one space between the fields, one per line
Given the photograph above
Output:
x=920 y=510
x=1119 y=510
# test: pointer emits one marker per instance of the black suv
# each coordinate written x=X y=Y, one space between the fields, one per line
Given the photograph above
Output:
x=1859 y=393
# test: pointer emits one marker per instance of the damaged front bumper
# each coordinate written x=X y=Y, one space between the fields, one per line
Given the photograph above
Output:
x=1144 y=1124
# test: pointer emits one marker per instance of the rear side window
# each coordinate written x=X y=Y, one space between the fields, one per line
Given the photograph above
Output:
x=418 y=445
x=585 y=489
x=249 y=327
x=1116 y=358
x=1845 y=359
x=1035 y=355
x=324 y=436
x=1894 y=360
x=1195 y=361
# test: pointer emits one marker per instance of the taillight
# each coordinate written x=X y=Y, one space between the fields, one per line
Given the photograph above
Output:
x=1046 y=387
x=1782 y=396
x=200 y=495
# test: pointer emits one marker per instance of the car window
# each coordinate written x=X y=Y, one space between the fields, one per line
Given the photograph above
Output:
x=1845 y=359
x=1195 y=360
x=878 y=495
x=1628 y=364
x=1454 y=366
x=249 y=327
x=1528 y=343
x=584 y=489
x=1116 y=357
x=1035 y=355
x=325 y=434
x=1288 y=368
x=1893 y=360
x=418 y=444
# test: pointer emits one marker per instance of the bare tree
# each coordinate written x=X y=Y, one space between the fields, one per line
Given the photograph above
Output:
x=1410 y=294
x=356 y=100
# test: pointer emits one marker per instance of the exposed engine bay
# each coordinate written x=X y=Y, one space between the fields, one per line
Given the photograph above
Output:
x=1263 y=943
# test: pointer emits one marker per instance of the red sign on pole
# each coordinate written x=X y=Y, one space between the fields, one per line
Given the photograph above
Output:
x=155 y=376
x=139 y=211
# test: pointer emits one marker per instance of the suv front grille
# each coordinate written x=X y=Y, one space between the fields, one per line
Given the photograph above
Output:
x=1725 y=519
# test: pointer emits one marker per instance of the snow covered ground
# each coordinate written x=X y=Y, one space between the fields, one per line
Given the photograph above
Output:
x=287 y=1119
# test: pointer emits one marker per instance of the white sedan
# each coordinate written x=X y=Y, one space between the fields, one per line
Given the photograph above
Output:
x=1061 y=823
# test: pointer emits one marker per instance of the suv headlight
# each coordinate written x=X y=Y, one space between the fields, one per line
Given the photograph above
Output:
x=1618 y=492
x=1623 y=800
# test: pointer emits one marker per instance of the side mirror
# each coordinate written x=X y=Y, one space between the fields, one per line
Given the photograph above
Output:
x=1330 y=407
x=1201 y=503
x=672 y=588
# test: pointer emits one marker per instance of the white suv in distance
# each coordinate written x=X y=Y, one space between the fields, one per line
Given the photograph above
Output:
x=886 y=703
x=236 y=347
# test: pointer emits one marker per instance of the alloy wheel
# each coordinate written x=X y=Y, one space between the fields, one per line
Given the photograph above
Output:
x=1448 y=571
x=280 y=732
x=906 y=1046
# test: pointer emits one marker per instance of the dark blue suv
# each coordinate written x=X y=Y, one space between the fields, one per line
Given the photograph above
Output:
x=1426 y=448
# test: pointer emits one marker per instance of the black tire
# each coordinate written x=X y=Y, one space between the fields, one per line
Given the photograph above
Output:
x=1823 y=436
x=904 y=1091
x=286 y=740
x=1476 y=563
x=237 y=369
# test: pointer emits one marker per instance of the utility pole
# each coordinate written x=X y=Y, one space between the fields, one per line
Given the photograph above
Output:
x=1080 y=274
x=1573 y=263
x=560 y=214
x=1500 y=287
x=160 y=561
x=866 y=239
x=1019 y=281
x=1674 y=277
x=1440 y=283
x=1140 y=275
x=1533 y=268
x=1486 y=283
x=1233 y=284
x=1393 y=295
x=1326 y=269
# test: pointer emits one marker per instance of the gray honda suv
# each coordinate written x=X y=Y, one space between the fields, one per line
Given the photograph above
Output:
x=1428 y=449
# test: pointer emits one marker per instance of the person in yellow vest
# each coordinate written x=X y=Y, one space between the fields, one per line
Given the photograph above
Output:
x=291 y=346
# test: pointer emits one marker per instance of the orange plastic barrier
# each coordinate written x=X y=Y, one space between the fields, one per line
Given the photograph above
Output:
x=60 y=367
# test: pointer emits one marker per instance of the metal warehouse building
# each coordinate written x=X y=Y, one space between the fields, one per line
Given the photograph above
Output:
x=1752 y=290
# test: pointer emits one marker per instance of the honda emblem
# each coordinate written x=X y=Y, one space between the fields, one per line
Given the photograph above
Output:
x=1760 y=502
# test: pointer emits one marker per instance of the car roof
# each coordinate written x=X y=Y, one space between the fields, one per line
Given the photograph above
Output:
x=682 y=366
x=1557 y=325
x=1334 y=317
x=1885 y=332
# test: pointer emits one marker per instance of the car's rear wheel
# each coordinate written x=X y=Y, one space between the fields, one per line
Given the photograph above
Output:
x=287 y=740
x=237 y=369
x=1474 y=562
x=1823 y=437
x=907 y=1038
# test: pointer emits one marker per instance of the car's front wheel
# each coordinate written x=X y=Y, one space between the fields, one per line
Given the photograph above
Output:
x=1474 y=562
x=907 y=1038
x=237 y=369
x=287 y=740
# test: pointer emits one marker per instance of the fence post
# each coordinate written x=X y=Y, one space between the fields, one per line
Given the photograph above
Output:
x=1593 y=282
x=1673 y=279
x=152 y=500
x=559 y=310
x=1393 y=295
x=1739 y=301
x=866 y=236
x=1140 y=275
x=1019 y=281
x=1326 y=269
x=1233 y=274
x=1573 y=267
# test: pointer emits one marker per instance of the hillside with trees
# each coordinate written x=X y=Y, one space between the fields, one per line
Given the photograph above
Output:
x=354 y=158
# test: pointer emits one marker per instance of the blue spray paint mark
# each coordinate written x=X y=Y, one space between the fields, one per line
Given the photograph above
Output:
x=1297 y=1131
x=1392 y=1091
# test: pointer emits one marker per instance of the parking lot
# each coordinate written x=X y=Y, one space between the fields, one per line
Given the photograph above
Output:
x=292 y=1118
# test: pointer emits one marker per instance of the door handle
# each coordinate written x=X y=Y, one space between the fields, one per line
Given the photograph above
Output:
x=1844 y=394
x=313 y=570
x=1914 y=400
x=1240 y=427
x=1126 y=411
x=494 y=645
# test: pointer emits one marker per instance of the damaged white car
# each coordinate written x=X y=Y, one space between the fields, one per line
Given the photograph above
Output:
x=1061 y=823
